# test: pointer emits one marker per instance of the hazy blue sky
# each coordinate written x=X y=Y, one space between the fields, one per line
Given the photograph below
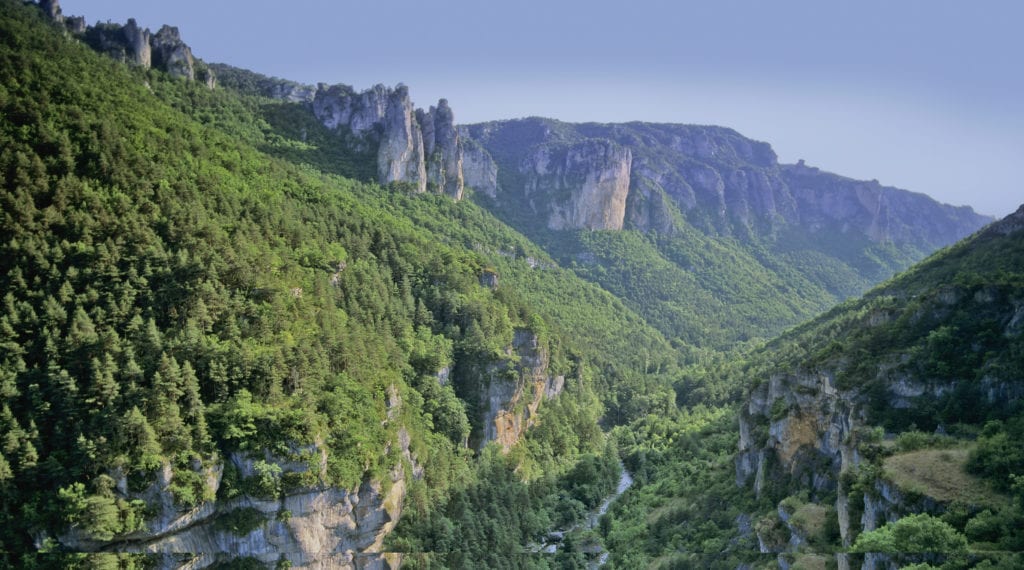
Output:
x=927 y=95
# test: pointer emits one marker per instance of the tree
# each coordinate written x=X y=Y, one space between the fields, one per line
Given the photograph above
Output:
x=914 y=534
x=138 y=439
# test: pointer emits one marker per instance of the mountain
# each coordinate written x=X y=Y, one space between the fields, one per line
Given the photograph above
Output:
x=718 y=221
x=218 y=355
x=906 y=401
x=251 y=323
x=727 y=244
x=724 y=244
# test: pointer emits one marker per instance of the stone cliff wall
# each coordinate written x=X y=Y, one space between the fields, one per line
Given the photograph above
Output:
x=717 y=180
x=132 y=44
x=478 y=168
x=400 y=155
x=515 y=388
x=413 y=146
x=310 y=527
x=581 y=186
x=442 y=149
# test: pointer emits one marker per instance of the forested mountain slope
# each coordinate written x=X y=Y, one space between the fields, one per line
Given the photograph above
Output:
x=250 y=323
x=210 y=351
x=904 y=402
x=884 y=433
x=706 y=234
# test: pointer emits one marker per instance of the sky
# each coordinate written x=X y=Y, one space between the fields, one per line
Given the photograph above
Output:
x=924 y=95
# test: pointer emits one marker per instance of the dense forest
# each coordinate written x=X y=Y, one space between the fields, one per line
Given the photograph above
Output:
x=210 y=309
x=178 y=289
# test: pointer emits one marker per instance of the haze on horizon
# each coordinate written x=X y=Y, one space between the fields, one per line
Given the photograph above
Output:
x=919 y=94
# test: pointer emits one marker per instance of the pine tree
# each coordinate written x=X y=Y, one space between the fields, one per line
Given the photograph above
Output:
x=138 y=440
x=6 y=473
x=103 y=390
x=192 y=403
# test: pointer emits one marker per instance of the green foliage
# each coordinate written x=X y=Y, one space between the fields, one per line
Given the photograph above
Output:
x=685 y=498
x=914 y=440
x=185 y=275
x=999 y=455
x=913 y=534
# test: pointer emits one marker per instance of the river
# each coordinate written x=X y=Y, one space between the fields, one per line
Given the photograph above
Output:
x=597 y=555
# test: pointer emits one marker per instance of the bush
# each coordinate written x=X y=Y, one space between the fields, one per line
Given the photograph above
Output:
x=914 y=534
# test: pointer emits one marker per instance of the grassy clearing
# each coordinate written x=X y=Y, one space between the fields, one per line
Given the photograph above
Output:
x=811 y=562
x=941 y=475
x=811 y=518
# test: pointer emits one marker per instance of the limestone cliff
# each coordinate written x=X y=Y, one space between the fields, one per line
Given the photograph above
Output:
x=579 y=186
x=478 y=168
x=508 y=392
x=885 y=214
x=339 y=106
x=135 y=45
x=898 y=360
x=800 y=428
x=723 y=183
x=442 y=150
x=413 y=146
x=422 y=148
x=400 y=154
x=171 y=54
x=316 y=526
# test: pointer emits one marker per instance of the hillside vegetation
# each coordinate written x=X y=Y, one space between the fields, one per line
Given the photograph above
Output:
x=209 y=309
x=178 y=288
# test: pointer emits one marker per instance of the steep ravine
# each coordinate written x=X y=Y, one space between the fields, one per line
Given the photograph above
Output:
x=811 y=427
x=596 y=554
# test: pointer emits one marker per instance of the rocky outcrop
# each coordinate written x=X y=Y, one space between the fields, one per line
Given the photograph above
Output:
x=52 y=9
x=478 y=168
x=173 y=55
x=580 y=186
x=310 y=527
x=419 y=147
x=135 y=45
x=338 y=106
x=139 y=49
x=800 y=427
x=722 y=182
x=316 y=528
x=400 y=157
x=514 y=390
x=442 y=150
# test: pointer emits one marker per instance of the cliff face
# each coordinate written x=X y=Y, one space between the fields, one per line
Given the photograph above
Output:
x=800 y=428
x=443 y=150
x=478 y=168
x=132 y=44
x=400 y=155
x=509 y=391
x=809 y=426
x=718 y=181
x=414 y=146
x=885 y=214
x=580 y=186
x=171 y=54
x=310 y=527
